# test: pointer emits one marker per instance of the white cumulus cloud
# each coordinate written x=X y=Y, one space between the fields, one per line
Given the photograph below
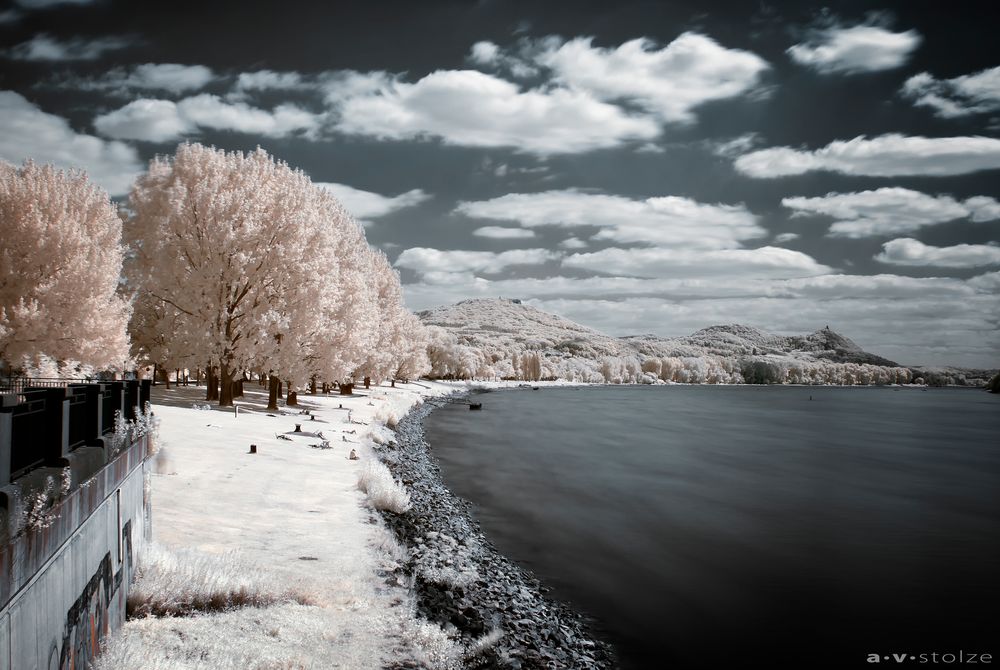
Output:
x=269 y=80
x=765 y=262
x=144 y=119
x=670 y=81
x=856 y=49
x=503 y=233
x=28 y=132
x=471 y=108
x=172 y=77
x=908 y=251
x=888 y=155
x=365 y=205
x=983 y=208
x=890 y=211
x=573 y=243
x=968 y=94
x=665 y=221
x=209 y=111
x=162 y=120
x=484 y=53
x=425 y=260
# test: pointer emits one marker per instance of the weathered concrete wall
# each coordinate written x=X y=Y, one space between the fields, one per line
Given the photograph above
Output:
x=63 y=588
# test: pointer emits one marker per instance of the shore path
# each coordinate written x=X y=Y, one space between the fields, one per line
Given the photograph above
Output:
x=290 y=513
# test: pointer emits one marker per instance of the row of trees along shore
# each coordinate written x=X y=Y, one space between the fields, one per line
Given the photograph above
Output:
x=227 y=262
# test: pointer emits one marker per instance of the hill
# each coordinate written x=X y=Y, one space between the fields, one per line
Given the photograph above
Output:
x=491 y=338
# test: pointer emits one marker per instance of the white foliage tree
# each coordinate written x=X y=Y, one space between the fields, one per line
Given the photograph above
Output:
x=60 y=263
x=235 y=244
x=250 y=266
x=401 y=351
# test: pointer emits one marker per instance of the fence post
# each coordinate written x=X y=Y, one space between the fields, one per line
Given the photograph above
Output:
x=117 y=390
x=144 y=393
x=102 y=392
x=131 y=398
x=6 y=425
x=55 y=445
x=93 y=413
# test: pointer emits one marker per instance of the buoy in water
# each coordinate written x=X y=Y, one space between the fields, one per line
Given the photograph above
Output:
x=475 y=405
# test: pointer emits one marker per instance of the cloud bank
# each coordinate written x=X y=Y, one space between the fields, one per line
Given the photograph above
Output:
x=28 y=132
x=890 y=155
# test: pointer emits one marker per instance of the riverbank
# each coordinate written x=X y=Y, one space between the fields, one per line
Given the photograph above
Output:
x=267 y=555
x=461 y=581
x=273 y=559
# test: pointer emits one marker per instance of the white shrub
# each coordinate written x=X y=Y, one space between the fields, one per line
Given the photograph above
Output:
x=382 y=435
x=386 y=415
x=384 y=493
x=431 y=646
x=127 y=432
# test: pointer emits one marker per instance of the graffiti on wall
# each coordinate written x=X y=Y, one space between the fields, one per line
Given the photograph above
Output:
x=87 y=620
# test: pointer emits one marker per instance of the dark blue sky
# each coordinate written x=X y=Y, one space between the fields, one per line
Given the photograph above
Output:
x=636 y=166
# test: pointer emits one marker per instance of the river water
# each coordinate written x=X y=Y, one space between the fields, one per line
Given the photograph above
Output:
x=739 y=526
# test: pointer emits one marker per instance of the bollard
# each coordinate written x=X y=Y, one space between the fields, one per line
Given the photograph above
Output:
x=298 y=428
x=312 y=417
x=253 y=448
x=236 y=410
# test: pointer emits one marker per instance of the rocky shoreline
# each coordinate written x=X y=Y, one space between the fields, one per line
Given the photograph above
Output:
x=461 y=580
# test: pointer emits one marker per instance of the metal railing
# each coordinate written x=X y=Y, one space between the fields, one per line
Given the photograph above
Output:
x=17 y=384
x=42 y=424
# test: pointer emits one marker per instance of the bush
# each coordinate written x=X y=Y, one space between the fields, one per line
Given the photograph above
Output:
x=384 y=492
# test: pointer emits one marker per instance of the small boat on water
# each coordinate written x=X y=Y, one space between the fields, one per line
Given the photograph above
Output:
x=475 y=405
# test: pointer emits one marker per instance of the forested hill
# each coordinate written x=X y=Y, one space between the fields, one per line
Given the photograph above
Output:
x=490 y=338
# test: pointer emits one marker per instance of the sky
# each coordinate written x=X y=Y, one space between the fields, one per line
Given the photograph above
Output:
x=636 y=166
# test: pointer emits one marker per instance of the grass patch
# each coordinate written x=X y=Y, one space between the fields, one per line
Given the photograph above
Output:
x=186 y=581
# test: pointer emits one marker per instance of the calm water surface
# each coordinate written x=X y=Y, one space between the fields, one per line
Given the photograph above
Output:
x=724 y=527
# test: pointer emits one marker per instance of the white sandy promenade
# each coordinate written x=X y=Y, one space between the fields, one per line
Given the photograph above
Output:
x=289 y=516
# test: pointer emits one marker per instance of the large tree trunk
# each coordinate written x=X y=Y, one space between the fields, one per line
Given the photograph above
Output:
x=293 y=397
x=346 y=389
x=166 y=376
x=226 y=380
x=273 y=390
x=212 y=393
x=368 y=381
x=312 y=385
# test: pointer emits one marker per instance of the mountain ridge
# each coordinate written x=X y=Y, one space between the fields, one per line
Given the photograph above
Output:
x=505 y=338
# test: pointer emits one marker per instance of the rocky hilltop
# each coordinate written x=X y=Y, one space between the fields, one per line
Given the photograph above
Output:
x=499 y=338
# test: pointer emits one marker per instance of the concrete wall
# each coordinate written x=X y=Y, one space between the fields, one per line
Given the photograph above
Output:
x=63 y=588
